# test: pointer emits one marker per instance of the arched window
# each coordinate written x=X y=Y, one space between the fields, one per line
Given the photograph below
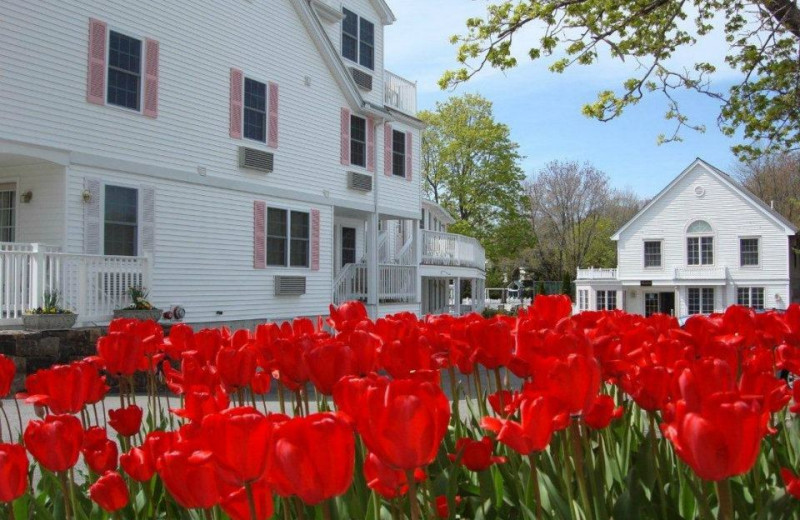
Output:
x=699 y=243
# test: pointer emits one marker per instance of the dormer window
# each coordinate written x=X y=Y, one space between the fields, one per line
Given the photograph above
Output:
x=699 y=244
x=358 y=39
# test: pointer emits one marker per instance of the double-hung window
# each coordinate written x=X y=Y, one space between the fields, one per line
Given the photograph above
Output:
x=121 y=221
x=288 y=238
x=700 y=244
x=701 y=300
x=750 y=297
x=358 y=39
x=606 y=300
x=255 y=110
x=358 y=141
x=124 y=71
x=652 y=253
x=748 y=252
x=583 y=300
x=398 y=153
x=8 y=212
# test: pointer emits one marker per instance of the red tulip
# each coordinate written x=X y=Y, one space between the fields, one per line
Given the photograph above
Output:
x=705 y=441
x=503 y=402
x=261 y=383
x=403 y=421
x=347 y=316
x=365 y=346
x=573 y=382
x=475 y=455
x=791 y=481
x=55 y=442
x=539 y=419
x=65 y=388
x=442 y=509
x=137 y=464
x=13 y=472
x=190 y=477
x=200 y=401
x=99 y=452
x=241 y=441
x=492 y=342
x=236 y=366
x=649 y=386
x=388 y=482
x=126 y=421
x=314 y=457
x=125 y=348
x=110 y=492
x=602 y=412
x=7 y=371
x=237 y=505
x=328 y=362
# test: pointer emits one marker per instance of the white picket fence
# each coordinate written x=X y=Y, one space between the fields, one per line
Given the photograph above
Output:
x=90 y=285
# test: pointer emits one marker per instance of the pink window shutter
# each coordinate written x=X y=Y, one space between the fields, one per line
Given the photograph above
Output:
x=96 y=81
x=345 y=137
x=272 y=140
x=387 y=149
x=259 y=234
x=409 y=155
x=370 y=144
x=237 y=103
x=315 y=240
x=151 y=78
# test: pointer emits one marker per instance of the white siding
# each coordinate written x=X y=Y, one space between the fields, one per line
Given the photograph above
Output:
x=200 y=42
x=42 y=219
x=398 y=192
x=204 y=251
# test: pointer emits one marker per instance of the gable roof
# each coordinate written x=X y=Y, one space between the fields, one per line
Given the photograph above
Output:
x=384 y=11
x=430 y=205
x=726 y=179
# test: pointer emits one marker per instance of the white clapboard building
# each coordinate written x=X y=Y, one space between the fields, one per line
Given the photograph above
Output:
x=243 y=159
x=702 y=244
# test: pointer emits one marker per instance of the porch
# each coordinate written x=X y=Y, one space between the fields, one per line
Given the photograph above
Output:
x=91 y=286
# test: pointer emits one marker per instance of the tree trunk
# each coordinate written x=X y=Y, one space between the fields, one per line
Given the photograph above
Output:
x=786 y=13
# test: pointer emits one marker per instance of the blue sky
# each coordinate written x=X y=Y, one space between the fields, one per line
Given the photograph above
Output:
x=543 y=109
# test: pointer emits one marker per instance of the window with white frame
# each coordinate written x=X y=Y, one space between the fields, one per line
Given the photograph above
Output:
x=651 y=304
x=121 y=221
x=583 y=300
x=750 y=297
x=288 y=238
x=652 y=253
x=398 y=153
x=8 y=212
x=358 y=39
x=358 y=141
x=700 y=300
x=699 y=244
x=124 y=71
x=255 y=110
x=748 y=252
x=606 y=300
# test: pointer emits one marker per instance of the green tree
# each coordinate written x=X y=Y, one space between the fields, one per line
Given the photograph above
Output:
x=763 y=38
x=470 y=164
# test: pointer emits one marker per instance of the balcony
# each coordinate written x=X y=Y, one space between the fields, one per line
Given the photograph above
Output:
x=449 y=249
x=597 y=273
x=701 y=273
x=92 y=286
x=399 y=93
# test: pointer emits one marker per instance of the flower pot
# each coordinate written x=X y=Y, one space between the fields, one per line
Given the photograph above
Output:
x=139 y=314
x=48 y=321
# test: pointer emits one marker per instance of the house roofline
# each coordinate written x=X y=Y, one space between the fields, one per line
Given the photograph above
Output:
x=759 y=204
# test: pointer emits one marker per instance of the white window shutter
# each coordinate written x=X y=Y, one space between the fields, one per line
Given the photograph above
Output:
x=148 y=230
x=92 y=217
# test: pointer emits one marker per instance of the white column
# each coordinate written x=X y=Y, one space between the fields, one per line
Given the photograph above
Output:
x=473 y=291
x=457 y=295
x=416 y=245
x=372 y=261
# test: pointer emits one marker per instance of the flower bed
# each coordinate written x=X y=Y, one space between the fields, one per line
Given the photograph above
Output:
x=616 y=416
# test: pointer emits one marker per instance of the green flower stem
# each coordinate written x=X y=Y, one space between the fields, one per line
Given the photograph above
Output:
x=534 y=484
x=577 y=457
x=725 y=500
x=412 y=495
x=251 y=501
x=656 y=464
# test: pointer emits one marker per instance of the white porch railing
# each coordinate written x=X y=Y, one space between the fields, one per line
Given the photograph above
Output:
x=396 y=283
x=597 y=273
x=450 y=249
x=700 y=273
x=90 y=285
x=399 y=93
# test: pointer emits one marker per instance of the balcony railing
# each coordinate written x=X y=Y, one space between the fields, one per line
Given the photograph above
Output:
x=396 y=283
x=90 y=285
x=597 y=273
x=452 y=250
x=399 y=93
x=701 y=273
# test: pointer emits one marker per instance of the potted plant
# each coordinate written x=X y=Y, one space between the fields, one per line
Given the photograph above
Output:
x=140 y=308
x=49 y=316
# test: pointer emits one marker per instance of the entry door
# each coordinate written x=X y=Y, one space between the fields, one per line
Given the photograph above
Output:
x=348 y=245
x=8 y=212
x=666 y=303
